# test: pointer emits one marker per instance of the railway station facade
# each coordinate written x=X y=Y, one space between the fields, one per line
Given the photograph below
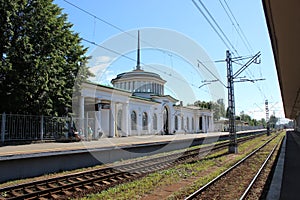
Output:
x=136 y=105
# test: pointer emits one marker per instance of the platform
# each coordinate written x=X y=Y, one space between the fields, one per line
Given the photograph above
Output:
x=49 y=148
x=285 y=182
x=30 y=160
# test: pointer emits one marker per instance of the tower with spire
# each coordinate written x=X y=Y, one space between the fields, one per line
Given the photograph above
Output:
x=138 y=61
x=139 y=82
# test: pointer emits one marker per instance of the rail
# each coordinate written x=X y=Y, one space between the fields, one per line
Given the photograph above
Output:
x=209 y=184
x=105 y=177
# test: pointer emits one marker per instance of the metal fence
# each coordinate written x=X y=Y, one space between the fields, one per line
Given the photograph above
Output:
x=15 y=127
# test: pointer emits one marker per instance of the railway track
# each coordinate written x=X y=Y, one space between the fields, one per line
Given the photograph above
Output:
x=238 y=181
x=95 y=180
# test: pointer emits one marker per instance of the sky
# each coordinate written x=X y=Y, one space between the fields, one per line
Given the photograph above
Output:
x=172 y=33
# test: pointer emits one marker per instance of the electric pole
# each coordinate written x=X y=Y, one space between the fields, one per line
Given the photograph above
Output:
x=267 y=117
x=231 y=106
x=233 y=147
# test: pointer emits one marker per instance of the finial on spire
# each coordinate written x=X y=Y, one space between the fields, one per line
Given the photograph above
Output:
x=138 y=66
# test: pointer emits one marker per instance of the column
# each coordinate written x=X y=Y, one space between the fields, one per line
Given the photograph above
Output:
x=81 y=114
x=159 y=89
x=196 y=123
x=211 y=122
x=152 y=87
x=129 y=86
x=203 y=124
x=125 y=120
x=208 y=123
x=98 y=129
x=112 y=121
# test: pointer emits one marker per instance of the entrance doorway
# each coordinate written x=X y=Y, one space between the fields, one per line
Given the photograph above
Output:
x=165 y=120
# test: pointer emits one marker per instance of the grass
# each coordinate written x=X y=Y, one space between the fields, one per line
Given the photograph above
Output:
x=205 y=170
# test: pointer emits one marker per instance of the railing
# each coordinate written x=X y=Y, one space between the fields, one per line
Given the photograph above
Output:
x=15 y=127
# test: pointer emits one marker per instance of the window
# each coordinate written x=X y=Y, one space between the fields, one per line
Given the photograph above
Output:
x=182 y=123
x=176 y=123
x=155 y=121
x=145 y=121
x=133 y=120
x=119 y=120
x=200 y=123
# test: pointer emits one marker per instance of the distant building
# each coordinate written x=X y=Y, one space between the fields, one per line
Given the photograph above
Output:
x=136 y=105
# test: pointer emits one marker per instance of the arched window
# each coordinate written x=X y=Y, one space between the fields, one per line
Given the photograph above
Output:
x=145 y=121
x=133 y=120
x=176 y=123
x=187 y=124
x=193 y=126
x=155 y=121
x=182 y=123
x=200 y=123
x=119 y=120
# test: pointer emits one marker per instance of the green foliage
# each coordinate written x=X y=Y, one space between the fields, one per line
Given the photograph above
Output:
x=40 y=58
x=273 y=120
x=217 y=107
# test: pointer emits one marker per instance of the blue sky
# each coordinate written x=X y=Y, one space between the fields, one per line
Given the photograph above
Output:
x=184 y=18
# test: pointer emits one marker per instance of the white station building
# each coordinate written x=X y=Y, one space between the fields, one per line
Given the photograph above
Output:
x=136 y=105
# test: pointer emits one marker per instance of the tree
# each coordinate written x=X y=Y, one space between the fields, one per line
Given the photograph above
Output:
x=40 y=58
x=217 y=107
x=272 y=121
x=221 y=106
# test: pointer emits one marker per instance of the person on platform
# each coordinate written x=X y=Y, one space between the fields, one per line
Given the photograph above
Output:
x=74 y=134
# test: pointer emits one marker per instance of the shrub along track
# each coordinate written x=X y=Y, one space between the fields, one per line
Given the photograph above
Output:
x=81 y=183
x=237 y=182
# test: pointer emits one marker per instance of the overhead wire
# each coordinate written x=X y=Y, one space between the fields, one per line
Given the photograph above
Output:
x=131 y=35
x=241 y=34
x=110 y=24
x=236 y=29
x=244 y=40
x=197 y=6
x=247 y=41
x=150 y=66
x=216 y=24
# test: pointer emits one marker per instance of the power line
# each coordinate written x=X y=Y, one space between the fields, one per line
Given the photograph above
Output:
x=244 y=40
x=109 y=23
x=223 y=37
x=211 y=73
x=211 y=24
x=236 y=29
x=238 y=25
x=155 y=68
x=133 y=36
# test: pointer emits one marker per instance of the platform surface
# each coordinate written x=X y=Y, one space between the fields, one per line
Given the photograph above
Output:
x=290 y=185
x=11 y=151
x=54 y=148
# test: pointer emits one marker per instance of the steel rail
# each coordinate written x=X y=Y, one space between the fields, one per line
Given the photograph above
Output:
x=246 y=192
x=128 y=170
x=206 y=186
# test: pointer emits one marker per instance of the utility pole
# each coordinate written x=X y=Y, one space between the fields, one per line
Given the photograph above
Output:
x=231 y=106
x=233 y=147
x=267 y=117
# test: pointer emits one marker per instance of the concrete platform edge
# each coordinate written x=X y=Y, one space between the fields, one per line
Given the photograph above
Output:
x=275 y=187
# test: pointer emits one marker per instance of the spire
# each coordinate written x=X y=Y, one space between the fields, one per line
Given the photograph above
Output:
x=138 y=66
